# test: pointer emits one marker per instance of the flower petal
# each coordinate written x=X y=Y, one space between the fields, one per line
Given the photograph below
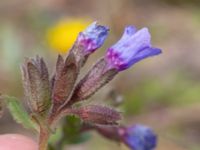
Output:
x=128 y=31
x=147 y=52
x=140 y=40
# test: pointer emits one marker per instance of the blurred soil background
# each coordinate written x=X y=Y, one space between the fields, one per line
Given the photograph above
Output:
x=162 y=92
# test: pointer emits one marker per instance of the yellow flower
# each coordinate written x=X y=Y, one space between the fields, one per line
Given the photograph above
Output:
x=62 y=35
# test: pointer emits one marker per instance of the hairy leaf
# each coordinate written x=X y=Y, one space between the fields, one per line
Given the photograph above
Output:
x=65 y=78
x=36 y=85
x=19 y=113
x=60 y=63
x=98 y=114
x=78 y=52
x=96 y=78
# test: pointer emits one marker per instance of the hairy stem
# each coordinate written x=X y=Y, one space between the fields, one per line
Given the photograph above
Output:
x=43 y=139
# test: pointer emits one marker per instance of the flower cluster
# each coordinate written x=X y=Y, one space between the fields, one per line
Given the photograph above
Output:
x=131 y=48
x=52 y=99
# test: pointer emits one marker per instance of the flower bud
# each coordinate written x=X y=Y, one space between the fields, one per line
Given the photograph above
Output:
x=139 y=137
x=93 y=37
x=136 y=137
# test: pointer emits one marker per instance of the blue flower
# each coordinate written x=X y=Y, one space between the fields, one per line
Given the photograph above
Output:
x=93 y=37
x=132 y=47
x=139 y=137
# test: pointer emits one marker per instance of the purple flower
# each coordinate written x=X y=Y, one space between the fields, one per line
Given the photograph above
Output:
x=132 y=47
x=139 y=137
x=93 y=37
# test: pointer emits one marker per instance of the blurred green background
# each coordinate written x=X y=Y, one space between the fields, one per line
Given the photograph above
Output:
x=162 y=92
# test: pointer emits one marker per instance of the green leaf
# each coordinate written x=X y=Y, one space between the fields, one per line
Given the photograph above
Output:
x=71 y=131
x=71 y=126
x=83 y=137
x=19 y=113
x=54 y=138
